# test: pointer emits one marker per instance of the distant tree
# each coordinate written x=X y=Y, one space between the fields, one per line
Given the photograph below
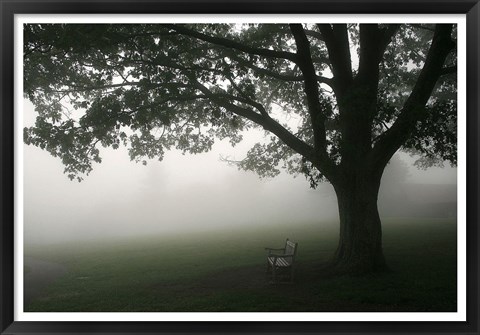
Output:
x=154 y=87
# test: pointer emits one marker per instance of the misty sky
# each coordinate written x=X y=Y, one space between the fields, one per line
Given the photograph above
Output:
x=183 y=192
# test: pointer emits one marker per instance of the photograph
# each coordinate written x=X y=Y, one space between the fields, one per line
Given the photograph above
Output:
x=298 y=171
x=363 y=115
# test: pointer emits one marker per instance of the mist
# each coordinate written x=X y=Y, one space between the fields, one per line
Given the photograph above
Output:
x=190 y=193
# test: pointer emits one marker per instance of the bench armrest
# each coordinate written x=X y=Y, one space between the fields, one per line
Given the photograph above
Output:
x=282 y=256
x=270 y=249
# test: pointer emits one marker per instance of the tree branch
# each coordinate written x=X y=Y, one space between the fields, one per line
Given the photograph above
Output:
x=270 y=73
x=266 y=122
x=387 y=34
x=373 y=42
x=449 y=70
x=336 y=40
x=305 y=63
x=314 y=33
x=280 y=76
x=276 y=75
x=74 y=88
x=227 y=43
x=317 y=114
x=414 y=108
x=369 y=52
x=422 y=26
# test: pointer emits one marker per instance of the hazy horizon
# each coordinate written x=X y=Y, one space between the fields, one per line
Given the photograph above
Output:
x=185 y=193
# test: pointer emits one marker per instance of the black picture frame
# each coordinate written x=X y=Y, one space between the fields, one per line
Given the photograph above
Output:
x=8 y=10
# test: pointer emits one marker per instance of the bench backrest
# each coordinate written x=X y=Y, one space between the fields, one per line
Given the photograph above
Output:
x=290 y=248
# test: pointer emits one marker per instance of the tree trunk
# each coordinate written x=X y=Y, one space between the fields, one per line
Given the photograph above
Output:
x=360 y=247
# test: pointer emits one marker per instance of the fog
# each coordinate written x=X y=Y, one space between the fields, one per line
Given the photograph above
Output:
x=200 y=193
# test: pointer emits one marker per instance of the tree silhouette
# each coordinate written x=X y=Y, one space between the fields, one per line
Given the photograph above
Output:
x=361 y=92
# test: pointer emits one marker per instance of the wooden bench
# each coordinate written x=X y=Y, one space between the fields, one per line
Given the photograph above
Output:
x=280 y=262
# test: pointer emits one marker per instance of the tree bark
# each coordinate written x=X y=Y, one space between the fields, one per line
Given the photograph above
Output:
x=360 y=245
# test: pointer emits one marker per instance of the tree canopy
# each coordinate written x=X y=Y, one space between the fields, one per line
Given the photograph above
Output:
x=352 y=92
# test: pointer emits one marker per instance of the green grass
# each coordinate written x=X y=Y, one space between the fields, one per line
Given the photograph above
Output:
x=224 y=271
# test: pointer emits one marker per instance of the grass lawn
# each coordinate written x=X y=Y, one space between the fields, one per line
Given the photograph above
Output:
x=224 y=271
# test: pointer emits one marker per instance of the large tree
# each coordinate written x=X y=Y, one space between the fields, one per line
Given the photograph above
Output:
x=358 y=93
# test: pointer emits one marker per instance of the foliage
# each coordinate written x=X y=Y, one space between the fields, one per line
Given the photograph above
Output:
x=154 y=87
